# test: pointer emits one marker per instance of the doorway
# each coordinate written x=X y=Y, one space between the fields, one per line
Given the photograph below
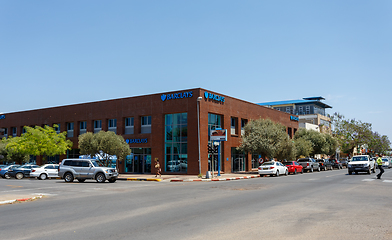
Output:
x=139 y=161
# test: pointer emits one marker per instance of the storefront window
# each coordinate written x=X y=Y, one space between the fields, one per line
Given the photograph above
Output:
x=214 y=122
x=176 y=138
x=139 y=161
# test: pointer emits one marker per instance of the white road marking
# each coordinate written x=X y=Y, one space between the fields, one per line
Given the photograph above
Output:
x=368 y=180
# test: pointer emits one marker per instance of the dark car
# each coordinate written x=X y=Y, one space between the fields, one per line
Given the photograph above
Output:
x=336 y=163
x=344 y=162
x=293 y=167
x=4 y=171
x=22 y=171
x=324 y=164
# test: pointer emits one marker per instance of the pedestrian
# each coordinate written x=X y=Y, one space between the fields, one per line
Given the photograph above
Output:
x=157 y=168
x=379 y=164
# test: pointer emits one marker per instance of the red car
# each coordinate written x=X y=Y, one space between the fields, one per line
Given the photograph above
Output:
x=294 y=167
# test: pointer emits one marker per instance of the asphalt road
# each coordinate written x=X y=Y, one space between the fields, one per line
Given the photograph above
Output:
x=319 y=205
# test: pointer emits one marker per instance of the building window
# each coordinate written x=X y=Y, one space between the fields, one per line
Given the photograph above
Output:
x=277 y=108
x=129 y=125
x=288 y=109
x=234 y=126
x=307 y=109
x=243 y=123
x=112 y=125
x=57 y=128
x=70 y=129
x=14 y=131
x=146 y=124
x=300 y=110
x=176 y=142
x=82 y=127
x=23 y=130
x=97 y=126
x=5 y=132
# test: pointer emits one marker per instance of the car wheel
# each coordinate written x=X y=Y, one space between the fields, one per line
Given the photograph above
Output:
x=286 y=173
x=302 y=171
x=19 y=175
x=100 y=178
x=318 y=169
x=68 y=177
x=295 y=171
x=81 y=180
x=331 y=168
x=261 y=175
x=112 y=180
x=311 y=169
x=369 y=171
x=349 y=172
x=42 y=176
x=356 y=173
x=277 y=173
x=7 y=176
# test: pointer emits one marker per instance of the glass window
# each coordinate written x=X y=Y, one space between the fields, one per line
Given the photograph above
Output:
x=97 y=126
x=243 y=123
x=112 y=125
x=176 y=138
x=57 y=128
x=82 y=127
x=146 y=124
x=234 y=122
x=70 y=129
x=14 y=131
x=129 y=125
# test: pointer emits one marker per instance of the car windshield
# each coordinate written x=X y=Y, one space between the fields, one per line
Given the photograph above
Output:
x=97 y=163
x=385 y=160
x=268 y=163
x=288 y=163
x=303 y=160
x=354 y=159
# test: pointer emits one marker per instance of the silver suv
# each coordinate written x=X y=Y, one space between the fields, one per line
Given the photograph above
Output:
x=83 y=169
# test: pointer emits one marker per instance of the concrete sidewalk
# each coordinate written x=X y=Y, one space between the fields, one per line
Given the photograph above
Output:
x=186 y=178
x=16 y=198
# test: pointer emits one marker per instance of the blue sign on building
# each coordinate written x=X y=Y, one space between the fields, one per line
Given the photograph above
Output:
x=294 y=118
x=136 y=140
x=176 y=95
x=214 y=97
x=2 y=116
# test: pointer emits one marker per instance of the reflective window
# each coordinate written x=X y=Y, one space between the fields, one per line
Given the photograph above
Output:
x=176 y=142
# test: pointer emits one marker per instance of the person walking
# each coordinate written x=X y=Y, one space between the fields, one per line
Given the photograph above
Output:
x=379 y=164
x=157 y=168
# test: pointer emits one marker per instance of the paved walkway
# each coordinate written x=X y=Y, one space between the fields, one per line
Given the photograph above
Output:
x=17 y=198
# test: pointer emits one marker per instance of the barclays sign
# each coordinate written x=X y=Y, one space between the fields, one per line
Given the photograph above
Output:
x=136 y=140
x=2 y=116
x=172 y=96
x=292 y=118
x=214 y=97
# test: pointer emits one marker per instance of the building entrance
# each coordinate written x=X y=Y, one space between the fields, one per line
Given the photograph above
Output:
x=139 y=161
x=238 y=162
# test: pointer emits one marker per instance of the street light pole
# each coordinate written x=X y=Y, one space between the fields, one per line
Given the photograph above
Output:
x=198 y=130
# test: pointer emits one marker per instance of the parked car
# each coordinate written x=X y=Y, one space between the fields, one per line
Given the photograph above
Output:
x=324 y=164
x=4 y=171
x=45 y=171
x=336 y=164
x=294 y=167
x=309 y=164
x=385 y=162
x=344 y=162
x=272 y=168
x=22 y=171
x=83 y=169
x=361 y=163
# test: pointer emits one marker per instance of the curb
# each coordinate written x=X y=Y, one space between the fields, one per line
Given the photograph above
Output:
x=213 y=180
x=139 y=179
x=19 y=200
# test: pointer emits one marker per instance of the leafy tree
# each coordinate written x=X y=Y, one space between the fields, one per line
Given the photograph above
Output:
x=39 y=141
x=331 y=144
x=104 y=144
x=350 y=133
x=287 y=150
x=12 y=154
x=265 y=137
x=303 y=147
x=317 y=140
x=379 y=144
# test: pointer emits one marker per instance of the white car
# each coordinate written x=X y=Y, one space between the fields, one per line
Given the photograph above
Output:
x=45 y=171
x=385 y=162
x=272 y=168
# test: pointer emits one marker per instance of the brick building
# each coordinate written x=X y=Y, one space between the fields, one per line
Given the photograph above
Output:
x=163 y=126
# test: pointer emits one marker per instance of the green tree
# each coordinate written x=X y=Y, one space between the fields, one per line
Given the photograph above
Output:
x=350 y=133
x=303 y=147
x=12 y=154
x=317 y=140
x=39 y=141
x=105 y=145
x=265 y=137
x=331 y=144
x=379 y=144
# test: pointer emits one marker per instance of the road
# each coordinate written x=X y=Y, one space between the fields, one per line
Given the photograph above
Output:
x=319 y=205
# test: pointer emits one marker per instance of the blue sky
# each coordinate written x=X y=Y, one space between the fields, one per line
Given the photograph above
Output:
x=64 y=52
